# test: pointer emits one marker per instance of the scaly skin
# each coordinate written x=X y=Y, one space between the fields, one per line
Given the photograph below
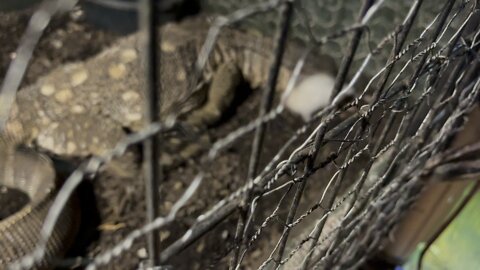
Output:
x=19 y=231
x=85 y=108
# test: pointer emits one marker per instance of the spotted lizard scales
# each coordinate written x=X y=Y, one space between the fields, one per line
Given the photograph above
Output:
x=86 y=107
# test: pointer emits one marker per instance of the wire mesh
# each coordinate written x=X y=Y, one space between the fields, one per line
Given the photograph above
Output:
x=330 y=195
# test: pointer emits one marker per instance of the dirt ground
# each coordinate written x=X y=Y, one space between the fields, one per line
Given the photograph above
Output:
x=67 y=39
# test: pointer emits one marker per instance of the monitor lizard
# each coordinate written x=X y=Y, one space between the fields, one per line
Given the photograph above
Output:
x=86 y=108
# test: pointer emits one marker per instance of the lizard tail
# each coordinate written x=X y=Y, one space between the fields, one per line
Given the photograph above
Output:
x=27 y=189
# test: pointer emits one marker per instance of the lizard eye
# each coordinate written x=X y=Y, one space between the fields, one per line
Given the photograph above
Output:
x=127 y=130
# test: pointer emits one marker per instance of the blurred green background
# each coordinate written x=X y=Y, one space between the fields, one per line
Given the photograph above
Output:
x=459 y=245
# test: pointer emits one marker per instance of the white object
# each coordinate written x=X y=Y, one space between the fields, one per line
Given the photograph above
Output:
x=310 y=95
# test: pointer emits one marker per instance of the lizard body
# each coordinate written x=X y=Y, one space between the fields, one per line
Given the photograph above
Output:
x=85 y=108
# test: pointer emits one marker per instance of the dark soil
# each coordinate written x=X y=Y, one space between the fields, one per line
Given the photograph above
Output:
x=68 y=38
x=11 y=200
x=122 y=205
